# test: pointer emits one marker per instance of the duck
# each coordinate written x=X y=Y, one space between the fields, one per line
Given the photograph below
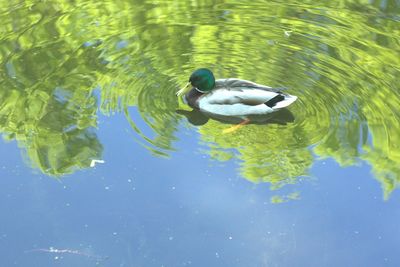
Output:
x=232 y=97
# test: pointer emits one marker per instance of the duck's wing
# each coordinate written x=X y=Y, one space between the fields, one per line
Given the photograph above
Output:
x=236 y=102
x=249 y=96
x=239 y=84
x=234 y=109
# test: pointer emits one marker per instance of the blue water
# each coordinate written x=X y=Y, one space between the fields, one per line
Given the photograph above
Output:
x=141 y=210
x=316 y=185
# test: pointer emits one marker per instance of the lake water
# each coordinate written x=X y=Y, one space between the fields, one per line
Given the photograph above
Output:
x=102 y=165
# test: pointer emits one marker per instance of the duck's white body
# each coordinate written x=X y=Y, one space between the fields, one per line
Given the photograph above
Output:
x=235 y=97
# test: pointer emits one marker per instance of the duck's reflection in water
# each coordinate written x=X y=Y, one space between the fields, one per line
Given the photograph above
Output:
x=197 y=118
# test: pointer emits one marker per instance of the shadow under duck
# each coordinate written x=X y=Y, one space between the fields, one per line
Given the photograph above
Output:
x=198 y=118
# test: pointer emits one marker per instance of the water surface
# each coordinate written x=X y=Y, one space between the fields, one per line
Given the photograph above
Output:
x=313 y=186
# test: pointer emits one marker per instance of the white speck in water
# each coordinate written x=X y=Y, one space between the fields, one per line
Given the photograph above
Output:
x=356 y=232
x=129 y=180
x=67 y=204
x=107 y=188
x=230 y=238
x=216 y=255
x=56 y=258
x=173 y=188
x=288 y=33
x=170 y=238
x=115 y=233
x=270 y=42
x=95 y=161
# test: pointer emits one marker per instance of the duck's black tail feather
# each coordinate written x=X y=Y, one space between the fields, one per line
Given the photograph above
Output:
x=272 y=102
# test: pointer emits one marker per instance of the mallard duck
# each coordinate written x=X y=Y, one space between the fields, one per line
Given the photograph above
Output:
x=232 y=97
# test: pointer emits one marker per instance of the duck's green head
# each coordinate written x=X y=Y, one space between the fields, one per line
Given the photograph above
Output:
x=201 y=79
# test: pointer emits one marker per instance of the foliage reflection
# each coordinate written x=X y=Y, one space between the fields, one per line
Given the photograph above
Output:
x=340 y=58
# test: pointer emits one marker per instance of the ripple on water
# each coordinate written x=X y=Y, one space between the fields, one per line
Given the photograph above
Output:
x=341 y=60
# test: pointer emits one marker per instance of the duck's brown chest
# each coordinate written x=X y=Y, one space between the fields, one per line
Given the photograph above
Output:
x=192 y=98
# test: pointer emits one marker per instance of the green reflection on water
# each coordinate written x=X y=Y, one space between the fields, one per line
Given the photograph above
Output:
x=341 y=58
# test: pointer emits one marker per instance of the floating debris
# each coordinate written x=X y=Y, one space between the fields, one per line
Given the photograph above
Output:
x=69 y=251
x=95 y=161
x=288 y=33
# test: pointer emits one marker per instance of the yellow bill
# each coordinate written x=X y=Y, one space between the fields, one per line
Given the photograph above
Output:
x=184 y=90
